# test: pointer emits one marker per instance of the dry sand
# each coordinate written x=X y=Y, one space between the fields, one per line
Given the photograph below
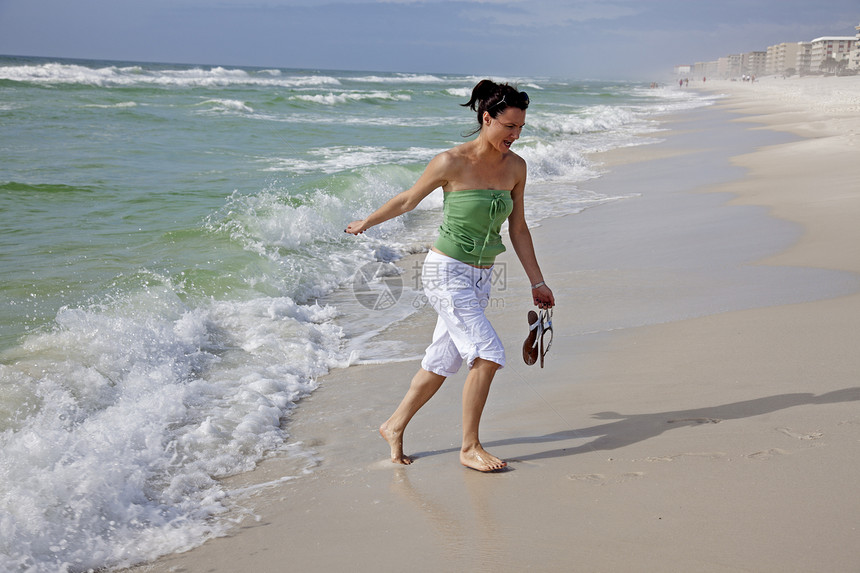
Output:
x=699 y=409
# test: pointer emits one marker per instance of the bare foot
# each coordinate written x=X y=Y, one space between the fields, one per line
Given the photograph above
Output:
x=478 y=459
x=395 y=441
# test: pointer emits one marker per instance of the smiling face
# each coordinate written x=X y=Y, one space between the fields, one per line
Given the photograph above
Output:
x=503 y=130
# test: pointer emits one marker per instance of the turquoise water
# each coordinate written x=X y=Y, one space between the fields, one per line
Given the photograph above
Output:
x=166 y=233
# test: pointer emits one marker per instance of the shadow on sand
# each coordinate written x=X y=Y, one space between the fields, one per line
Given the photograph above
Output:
x=627 y=429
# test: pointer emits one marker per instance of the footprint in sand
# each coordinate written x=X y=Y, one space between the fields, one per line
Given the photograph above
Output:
x=600 y=479
x=708 y=455
x=798 y=436
x=590 y=478
x=767 y=454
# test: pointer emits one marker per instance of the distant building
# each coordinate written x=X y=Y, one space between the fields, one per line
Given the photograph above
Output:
x=804 y=56
x=828 y=54
x=730 y=66
x=784 y=59
x=753 y=63
x=829 y=51
x=706 y=70
x=854 y=57
x=771 y=67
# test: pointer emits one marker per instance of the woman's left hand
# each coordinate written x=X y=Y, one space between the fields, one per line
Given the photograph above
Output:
x=543 y=297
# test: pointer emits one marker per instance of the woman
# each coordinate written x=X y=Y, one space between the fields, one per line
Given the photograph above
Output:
x=483 y=183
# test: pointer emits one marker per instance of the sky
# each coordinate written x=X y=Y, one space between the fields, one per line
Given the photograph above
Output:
x=577 y=39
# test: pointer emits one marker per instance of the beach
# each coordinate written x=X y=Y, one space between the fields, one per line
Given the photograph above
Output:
x=179 y=280
x=698 y=409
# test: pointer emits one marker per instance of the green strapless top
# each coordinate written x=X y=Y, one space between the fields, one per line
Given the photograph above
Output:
x=470 y=225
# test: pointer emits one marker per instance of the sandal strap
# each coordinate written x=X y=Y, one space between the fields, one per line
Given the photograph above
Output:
x=539 y=327
x=545 y=319
x=543 y=322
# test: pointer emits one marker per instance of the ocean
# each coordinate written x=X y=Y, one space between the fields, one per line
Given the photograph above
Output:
x=176 y=276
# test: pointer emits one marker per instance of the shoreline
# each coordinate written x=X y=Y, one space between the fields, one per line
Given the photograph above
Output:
x=717 y=311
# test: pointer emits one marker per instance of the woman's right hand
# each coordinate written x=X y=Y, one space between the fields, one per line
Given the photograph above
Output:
x=356 y=227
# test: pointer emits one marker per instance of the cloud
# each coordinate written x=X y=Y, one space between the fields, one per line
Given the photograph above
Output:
x=523 y=13
x=535 y=13
x=562 y=13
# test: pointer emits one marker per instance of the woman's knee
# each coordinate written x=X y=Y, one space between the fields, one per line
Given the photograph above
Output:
x=485 y=364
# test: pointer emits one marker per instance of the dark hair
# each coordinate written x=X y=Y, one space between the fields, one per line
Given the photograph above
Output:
x=493 y=98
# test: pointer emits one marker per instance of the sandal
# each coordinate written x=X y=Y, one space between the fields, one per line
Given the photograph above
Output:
x=530 y=346
x=539 y=324
x=544 y=328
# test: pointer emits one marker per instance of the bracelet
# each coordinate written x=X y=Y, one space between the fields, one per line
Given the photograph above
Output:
x=538 y=285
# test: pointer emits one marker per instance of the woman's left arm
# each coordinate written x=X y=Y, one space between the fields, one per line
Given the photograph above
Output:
x=521 y=239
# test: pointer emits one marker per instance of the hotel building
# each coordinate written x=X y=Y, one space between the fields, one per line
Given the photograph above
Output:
x=854 y=57
x=828 y=54
x=754 y=63
x=785 y=58
x=823 y=49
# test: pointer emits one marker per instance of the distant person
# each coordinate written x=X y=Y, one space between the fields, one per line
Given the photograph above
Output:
x=483 y=183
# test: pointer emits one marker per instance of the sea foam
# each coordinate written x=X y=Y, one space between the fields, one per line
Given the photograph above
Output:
x=134 y=412
x=60 y=73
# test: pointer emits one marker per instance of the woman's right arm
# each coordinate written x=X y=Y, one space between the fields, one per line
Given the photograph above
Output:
x=434 y=176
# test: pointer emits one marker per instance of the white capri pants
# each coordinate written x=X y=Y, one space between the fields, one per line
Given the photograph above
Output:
x=459 y=293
